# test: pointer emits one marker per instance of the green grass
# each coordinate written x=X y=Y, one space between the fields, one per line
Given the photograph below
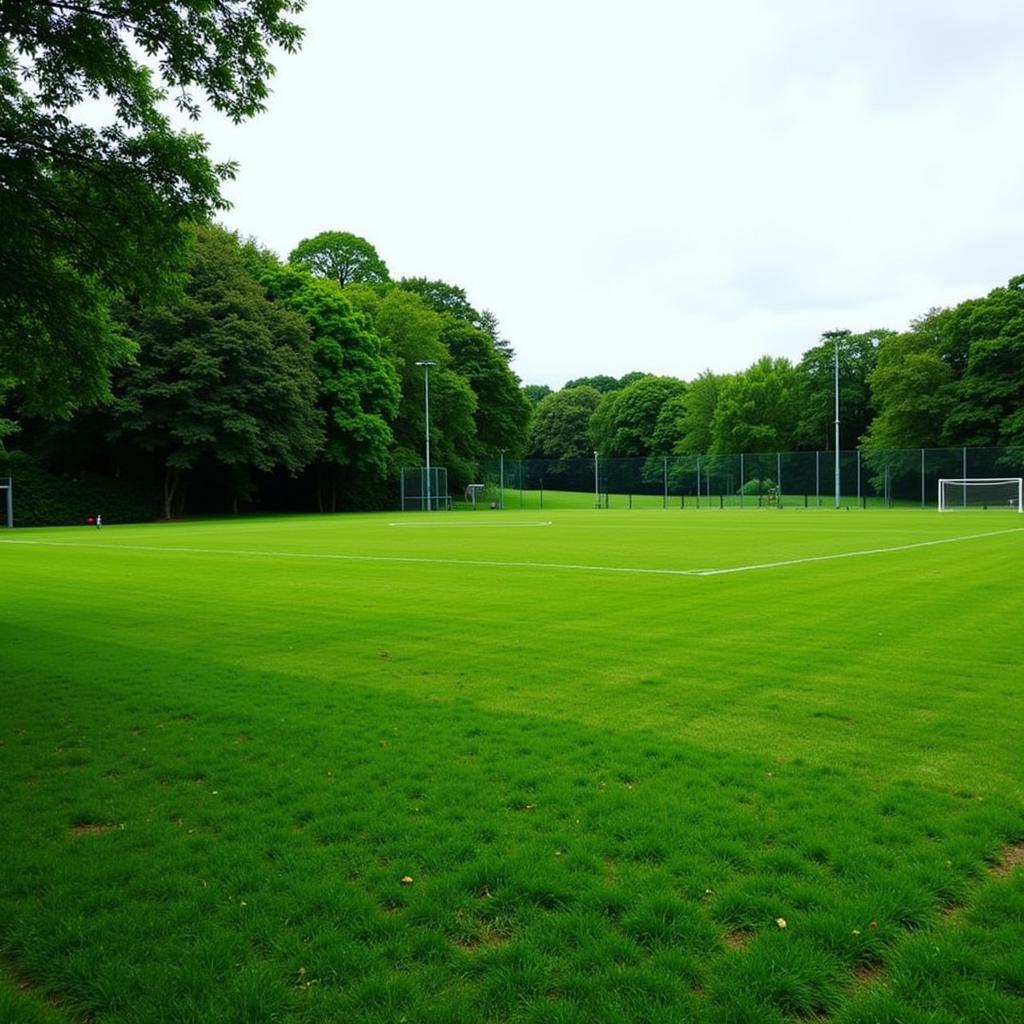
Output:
x=548 y=499
x=225 y=744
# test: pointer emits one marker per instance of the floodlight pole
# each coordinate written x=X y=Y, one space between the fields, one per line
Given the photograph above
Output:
x=501 y=476
x=427 y=364
x=836 y=341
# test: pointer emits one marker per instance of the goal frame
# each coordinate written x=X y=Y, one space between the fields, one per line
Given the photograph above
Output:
x=980 y=481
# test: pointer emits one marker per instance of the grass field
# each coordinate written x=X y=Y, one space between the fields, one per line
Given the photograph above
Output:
x=585 y=766
x=535 y=500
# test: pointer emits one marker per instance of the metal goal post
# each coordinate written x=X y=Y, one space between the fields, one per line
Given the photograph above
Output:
x=995 y=492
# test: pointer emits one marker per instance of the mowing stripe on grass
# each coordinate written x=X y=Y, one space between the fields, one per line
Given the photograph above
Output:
x=491 y=563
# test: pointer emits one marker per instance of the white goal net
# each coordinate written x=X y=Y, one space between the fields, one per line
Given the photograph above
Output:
x=1003 y=492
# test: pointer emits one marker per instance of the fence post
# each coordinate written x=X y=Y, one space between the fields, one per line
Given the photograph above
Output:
x=858 y=477
x=664 y=471
x=698 y=481
x=817 y=479
x=922 y=478
x=778 y=479
x=743 y=480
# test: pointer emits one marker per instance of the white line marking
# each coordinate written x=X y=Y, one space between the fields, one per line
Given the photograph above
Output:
x=469 y=526
x=568 y=566
x=361 y=558
x=852 y=554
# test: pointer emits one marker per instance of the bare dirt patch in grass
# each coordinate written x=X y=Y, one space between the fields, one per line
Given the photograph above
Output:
x=485 y=939
x=1011 y=857
x=738 y=939
x=867 y=974
x=30 y=990
x=91 y=828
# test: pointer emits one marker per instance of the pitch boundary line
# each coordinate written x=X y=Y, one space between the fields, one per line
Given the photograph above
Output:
x=565 y=566
x=324 y=556
x=852 y=554
x=471 y=526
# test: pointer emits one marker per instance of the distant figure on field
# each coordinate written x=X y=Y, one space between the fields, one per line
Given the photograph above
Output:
x=99 y=522
x=89 y=521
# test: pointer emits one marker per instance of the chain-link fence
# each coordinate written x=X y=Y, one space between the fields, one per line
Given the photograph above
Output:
x=862 y=479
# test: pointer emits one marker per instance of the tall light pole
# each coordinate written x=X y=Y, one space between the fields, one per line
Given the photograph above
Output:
x=836 y=340
x=834 y=337
x=427 y=364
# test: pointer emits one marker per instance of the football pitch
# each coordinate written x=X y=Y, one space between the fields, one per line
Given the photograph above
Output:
x=550 y=767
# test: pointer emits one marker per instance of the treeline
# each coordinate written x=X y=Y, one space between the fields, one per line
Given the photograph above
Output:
x=264 y=384
x=153 y=363
x=956 y=377
x=298 y=385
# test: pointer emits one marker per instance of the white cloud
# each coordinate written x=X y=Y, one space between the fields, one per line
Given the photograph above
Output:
x=655 y=186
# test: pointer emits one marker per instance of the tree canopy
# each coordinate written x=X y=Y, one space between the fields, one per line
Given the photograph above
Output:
x=625 y=423
x=358 y=388
x=561 y=424
x=223 y=376
x=342 y=257
x=93 y=214
x=756 y=410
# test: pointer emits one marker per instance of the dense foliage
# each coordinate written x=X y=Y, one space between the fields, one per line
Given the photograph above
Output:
x=257 y=384
x=93 y=214
x=142 y=345
x=956 y=377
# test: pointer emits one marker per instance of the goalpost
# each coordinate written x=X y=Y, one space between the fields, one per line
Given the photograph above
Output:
x=7 y=501
x=1004 y=492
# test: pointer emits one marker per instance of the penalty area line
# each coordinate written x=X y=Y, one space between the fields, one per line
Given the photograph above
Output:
x=852 y=554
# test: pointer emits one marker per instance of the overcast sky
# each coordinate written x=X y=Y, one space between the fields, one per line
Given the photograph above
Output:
x=659 y=186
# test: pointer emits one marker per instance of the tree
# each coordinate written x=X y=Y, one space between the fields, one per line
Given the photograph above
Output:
x=442 y=297
x=699 y=405
x=912 y=386
x=756 y=409
x=668 y=427
x=358 y=387
x=88 y=214
x=340 y=256
x=603 y=383
x=412 y=333
x=561 y=424
x=625 y=422
x=535 y=392
x=223 y=377
x=450 y=299
x=489 y=324
x=989 y=397
x=502 y=412
x=815 y=427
